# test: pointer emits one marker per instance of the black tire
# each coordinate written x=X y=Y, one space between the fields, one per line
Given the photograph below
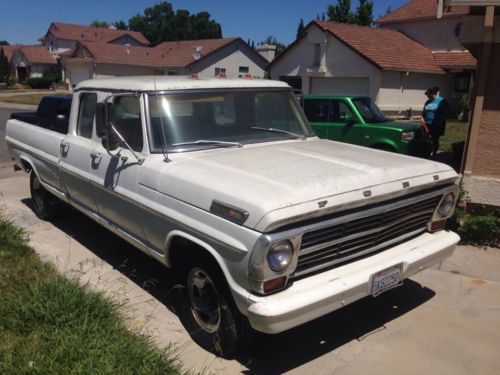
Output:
x=44 y=203
x=210 y=314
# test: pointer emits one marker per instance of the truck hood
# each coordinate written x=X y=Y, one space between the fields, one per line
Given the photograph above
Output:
x=286 y=181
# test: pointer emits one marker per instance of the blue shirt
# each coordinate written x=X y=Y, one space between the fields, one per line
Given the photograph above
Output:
x=430 y=109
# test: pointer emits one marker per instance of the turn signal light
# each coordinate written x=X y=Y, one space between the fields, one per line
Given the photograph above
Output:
x=272 y=285
x=437 y=225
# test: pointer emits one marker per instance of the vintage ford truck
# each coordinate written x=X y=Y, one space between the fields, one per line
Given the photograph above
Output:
x=224 y=181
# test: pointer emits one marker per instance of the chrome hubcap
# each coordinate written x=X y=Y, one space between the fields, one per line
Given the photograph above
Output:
x=204 y=300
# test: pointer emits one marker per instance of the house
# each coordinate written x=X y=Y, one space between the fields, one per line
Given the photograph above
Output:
x=386 y=63
x=481 y=36
x=63 y=37
x=29 y=61
x=417 y=20
x=230 y=57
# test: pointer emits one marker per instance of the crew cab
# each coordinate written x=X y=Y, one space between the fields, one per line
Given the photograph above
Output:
x=52 y=113
x=225 y=182
x=358 y=120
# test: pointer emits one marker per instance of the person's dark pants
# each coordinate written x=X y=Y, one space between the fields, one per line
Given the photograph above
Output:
x=435 y=144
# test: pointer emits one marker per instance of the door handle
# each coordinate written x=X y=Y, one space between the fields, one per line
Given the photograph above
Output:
x=65 y=147
x=96 y=156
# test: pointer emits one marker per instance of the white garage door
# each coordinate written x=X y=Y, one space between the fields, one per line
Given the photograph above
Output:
x=77 y=75
x=339 y=86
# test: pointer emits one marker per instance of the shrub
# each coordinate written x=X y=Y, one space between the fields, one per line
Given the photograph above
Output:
x=476 y=224
x=40 y=83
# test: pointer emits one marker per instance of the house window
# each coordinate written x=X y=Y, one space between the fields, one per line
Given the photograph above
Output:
x=316 y=54
x=462 y=82
x=220 y=72
x=243 y=70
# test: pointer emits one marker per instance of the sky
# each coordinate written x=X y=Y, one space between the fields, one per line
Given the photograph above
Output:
x=25 y=21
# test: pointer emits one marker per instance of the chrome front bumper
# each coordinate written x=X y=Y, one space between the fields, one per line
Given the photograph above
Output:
x=328 y=291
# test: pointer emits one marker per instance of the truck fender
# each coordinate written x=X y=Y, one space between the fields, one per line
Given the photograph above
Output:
x=202 y=244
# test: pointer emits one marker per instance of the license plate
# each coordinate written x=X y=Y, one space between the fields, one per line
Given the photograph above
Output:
x=386 y=279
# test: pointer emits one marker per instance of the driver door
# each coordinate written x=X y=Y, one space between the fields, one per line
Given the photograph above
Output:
x=343 y=124
x=115 y=174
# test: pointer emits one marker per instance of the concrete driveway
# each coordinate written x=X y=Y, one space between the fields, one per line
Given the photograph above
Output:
x=445 y=320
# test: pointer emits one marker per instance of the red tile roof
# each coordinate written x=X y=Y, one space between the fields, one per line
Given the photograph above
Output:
x=386 y=48
x=420 y=10
x=165 y=55
x=114 y=54
x=34 y=54
x=180 y=53
x=9 y=50
x=452 y=59
x=91 y=33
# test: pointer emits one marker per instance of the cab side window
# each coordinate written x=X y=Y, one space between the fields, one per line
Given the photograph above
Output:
x=127 y=120
x=86 y=114
x=317 y=110
x=340 y=112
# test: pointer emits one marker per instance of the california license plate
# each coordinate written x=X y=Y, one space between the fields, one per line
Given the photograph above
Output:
x=387 y=279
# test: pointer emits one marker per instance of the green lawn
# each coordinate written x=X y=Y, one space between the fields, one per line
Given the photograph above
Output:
x=32 y=99
x=455 y=132
x=51 y=325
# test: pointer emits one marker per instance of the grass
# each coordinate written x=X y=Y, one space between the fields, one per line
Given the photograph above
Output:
x=455 y=132
x=51 y=325
x=32 y=99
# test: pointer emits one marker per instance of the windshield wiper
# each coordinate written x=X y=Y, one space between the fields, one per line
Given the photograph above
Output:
x=281 y=131
x=209 y=142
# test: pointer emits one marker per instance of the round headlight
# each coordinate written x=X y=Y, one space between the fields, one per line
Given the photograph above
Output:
x=447 y=204
x=280 y=255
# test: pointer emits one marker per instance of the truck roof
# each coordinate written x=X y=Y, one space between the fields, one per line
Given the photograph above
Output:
x=161 y=83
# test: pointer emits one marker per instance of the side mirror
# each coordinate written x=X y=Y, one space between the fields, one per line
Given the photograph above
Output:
x=110 y=141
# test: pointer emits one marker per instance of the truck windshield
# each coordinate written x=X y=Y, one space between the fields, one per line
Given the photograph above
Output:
x=193 y=121
x=369 y=110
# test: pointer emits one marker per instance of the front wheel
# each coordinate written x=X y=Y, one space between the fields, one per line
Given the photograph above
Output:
x=211 y=316
x=44 y=204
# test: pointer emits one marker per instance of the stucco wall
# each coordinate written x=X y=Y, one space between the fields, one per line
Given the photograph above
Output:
x=400 y=91
x=230 y=58
x=437 y=35
x=337 y=60
x=58 y=45
x=112 y=70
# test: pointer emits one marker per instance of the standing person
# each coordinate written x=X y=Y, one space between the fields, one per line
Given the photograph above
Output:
x=434 y=117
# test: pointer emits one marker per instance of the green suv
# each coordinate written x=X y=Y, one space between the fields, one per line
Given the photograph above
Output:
x=358 y=120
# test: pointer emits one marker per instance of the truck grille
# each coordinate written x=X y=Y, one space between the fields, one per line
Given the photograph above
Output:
x=348 y=241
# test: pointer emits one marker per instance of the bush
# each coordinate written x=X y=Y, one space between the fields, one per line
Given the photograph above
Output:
x=40 y=83
x=476 y=224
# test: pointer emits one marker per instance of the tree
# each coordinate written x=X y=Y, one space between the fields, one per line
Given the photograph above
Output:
x=120 y=25
x=340 y=12
x=364 y=13
x=97 y=23
x=4 y=43
x=160 y=23
x=300 y=28
x=271 y=40
x=4 y=66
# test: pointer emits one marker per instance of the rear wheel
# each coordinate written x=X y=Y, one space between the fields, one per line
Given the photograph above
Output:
x=211 y=316
x=44 y=203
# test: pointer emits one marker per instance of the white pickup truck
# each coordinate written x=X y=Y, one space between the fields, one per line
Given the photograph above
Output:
x=225 y=182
